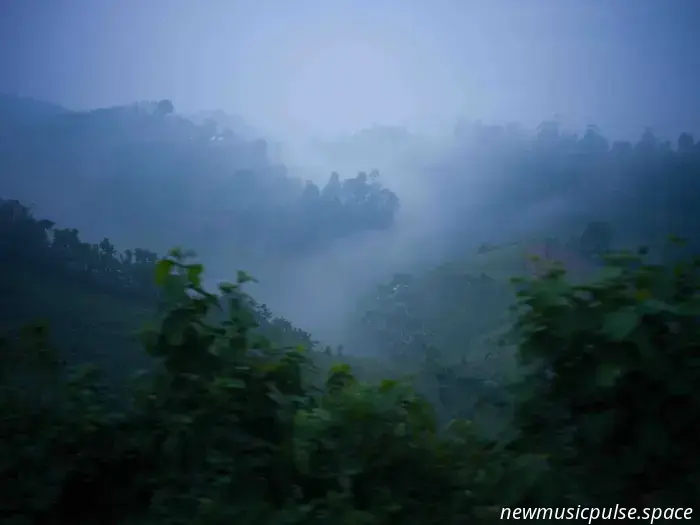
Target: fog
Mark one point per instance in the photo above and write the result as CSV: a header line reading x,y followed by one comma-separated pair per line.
x,y
329,67
307,75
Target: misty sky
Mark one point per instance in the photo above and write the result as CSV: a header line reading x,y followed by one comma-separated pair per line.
x,y
338,65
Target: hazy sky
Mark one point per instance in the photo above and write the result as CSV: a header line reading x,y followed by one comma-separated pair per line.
x,y
337,65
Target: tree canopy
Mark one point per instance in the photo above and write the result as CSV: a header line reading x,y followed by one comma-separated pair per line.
x,y
143,174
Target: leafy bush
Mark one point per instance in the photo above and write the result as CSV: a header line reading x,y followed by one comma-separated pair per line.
x,y
228,428
609,392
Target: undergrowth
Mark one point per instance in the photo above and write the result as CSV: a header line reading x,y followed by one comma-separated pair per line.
x,y
227,428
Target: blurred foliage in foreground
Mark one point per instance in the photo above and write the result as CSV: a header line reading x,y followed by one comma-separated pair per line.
x,y
228,428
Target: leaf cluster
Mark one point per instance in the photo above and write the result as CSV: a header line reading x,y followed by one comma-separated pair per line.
x,y
225,428
609,389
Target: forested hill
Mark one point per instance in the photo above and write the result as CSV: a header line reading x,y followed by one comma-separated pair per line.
x,y
457,391
142,175
232,426
51,275
645,187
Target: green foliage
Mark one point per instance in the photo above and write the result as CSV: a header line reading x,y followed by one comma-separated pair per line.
x,y
229,427
96,298
609,392
225,429
447,306
236,419
35,245
447,326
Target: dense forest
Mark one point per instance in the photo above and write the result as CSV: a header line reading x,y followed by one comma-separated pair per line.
x,y
549,363
205,187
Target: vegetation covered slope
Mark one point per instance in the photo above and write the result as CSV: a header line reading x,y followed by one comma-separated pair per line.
x,y
587,381
228,428
96,297
143,175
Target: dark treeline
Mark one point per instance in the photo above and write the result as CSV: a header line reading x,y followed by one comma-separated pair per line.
x,y
35,249
645,188
458,391
142,175
37,245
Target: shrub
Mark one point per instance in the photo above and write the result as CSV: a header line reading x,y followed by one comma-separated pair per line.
x,y
226,430
609,392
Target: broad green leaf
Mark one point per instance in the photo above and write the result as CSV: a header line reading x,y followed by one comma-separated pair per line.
x,y
618,325
163,269
194,273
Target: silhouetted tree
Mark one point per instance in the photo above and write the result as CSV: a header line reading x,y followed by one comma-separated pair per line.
x,y
165,107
